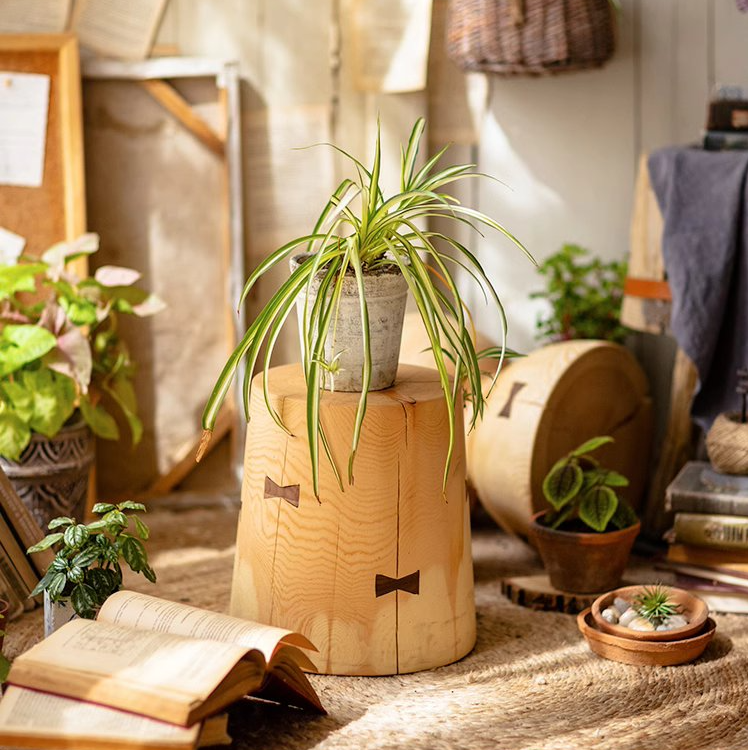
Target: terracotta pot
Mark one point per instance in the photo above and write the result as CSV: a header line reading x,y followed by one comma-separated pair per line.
x,y
583,563
386,295
51,476
695,610
644,653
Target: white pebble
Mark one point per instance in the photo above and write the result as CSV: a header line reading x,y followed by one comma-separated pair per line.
x,y
610,615
540,680
640,623
621,605
675,621
627,617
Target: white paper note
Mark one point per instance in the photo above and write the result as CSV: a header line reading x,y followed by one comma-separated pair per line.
x,y
34,16
390,41
11,247
24,101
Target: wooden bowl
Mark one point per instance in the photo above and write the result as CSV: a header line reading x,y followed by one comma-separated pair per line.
x,y
644,653
694,608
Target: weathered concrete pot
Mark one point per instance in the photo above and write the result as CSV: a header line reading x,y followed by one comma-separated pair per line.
x,y
51,477
583,563
386,295
56,614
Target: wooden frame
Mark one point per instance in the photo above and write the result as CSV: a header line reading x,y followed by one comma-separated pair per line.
x,y
157,77
57,210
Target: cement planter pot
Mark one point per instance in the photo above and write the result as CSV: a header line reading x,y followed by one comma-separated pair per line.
x,y
583,563
386,296
56,614
51,477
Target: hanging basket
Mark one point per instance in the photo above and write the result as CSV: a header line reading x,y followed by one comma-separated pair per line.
x,y
530,37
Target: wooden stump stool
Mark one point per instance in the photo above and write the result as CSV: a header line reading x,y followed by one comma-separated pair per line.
x,y
378,576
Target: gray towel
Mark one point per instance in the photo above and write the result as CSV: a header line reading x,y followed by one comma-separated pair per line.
x,y
703,197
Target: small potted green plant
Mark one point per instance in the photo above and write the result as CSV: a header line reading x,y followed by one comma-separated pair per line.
x,y
65,371
87,567
585,537
585,297
350,277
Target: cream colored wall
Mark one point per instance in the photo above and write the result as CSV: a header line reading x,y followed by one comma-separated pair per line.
x,y
567,146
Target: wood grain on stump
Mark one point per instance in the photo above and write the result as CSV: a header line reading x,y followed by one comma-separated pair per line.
x,y
378,575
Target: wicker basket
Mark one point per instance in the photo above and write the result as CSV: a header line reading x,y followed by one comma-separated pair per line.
x,y
530,37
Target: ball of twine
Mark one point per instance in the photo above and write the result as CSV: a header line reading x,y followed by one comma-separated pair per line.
x,y
727,444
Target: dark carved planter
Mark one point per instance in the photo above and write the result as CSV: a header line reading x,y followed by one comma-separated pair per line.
x,y
51,476
583,563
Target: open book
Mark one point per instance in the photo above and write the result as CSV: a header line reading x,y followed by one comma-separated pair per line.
x,y
40,720
167,661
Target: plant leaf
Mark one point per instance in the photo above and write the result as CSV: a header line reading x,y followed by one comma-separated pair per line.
x,y
54,400
562,483
131,505
75,536
56,586
142,529
614,479
591,445
14,435
100,508
624,516
45,543
86,556
59,522
598,507
116,276
84,600
21,344
99,420
134,553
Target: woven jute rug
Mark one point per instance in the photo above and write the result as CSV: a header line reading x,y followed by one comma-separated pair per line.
x,y
531,682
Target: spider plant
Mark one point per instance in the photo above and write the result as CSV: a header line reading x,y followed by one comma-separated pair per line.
x,y
360,230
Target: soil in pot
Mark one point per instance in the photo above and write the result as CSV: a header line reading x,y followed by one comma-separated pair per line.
x,y
583,562
386,294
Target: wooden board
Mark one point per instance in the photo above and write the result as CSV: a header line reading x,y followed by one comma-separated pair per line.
x,y
536,592
55,211
165,194
378,575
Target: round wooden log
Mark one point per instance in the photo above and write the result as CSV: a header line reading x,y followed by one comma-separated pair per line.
x,y
377,575
545,405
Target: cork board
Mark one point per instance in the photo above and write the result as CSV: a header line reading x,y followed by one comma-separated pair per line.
x,y
56,210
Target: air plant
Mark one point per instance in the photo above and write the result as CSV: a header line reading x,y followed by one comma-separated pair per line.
x,y
654,604
360,230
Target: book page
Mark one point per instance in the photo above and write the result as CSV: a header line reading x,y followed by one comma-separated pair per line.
x,y
24,102
390,43
150,613
48,719
142,658
116,29
34,16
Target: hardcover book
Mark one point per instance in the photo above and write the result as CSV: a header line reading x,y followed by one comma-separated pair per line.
x,y
700,489
167,661
711,530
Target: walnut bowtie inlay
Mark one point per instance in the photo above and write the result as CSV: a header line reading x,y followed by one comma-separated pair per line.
x,y
289,492
386,585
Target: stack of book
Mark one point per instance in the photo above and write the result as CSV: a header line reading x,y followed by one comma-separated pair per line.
x,y
147,674
708,549
727,121
19,572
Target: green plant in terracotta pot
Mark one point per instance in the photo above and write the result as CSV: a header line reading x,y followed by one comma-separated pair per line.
x,y
586,536
64,371
350,277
